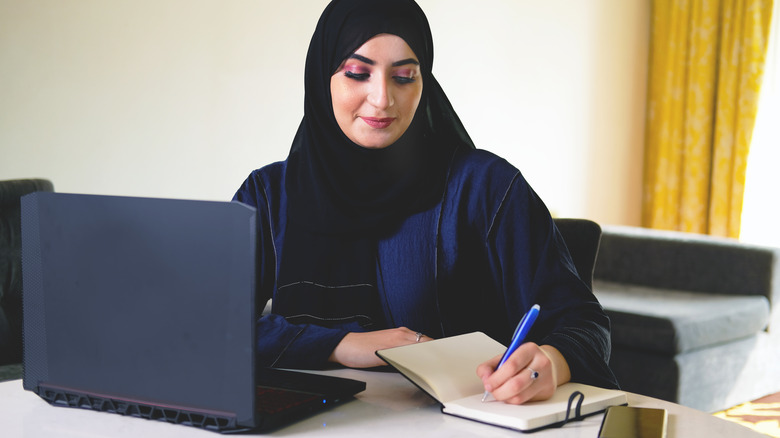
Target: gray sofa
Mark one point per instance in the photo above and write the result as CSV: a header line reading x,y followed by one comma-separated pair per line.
x,y
11,192
695,318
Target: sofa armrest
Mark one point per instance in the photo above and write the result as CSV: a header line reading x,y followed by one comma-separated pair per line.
x,y
687,261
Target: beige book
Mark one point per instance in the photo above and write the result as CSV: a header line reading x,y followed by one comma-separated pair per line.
x,y
446,370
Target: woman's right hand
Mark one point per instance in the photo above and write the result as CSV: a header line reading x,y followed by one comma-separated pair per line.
x,y
357,350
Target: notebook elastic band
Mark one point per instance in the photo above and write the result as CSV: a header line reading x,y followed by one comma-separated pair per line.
x,y
577,408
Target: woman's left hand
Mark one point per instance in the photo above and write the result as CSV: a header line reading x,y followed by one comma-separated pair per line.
x,y
531,373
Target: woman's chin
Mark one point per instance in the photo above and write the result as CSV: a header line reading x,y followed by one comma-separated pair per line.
x,y
375,141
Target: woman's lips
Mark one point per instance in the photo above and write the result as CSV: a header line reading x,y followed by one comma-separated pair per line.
x,y
378,122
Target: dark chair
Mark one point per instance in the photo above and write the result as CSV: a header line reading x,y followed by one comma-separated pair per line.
x,y
582,237
11,192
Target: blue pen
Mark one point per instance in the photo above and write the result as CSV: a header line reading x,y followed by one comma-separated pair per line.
x,y
523,327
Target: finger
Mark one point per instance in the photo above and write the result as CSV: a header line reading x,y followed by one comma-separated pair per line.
x,y
405,335
529,384
518,380
516,390
416,336
520,359
485,369
534,382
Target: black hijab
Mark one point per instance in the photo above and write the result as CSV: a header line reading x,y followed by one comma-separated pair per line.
x,y
342,197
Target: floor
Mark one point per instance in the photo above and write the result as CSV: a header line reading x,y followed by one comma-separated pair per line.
x,y
762,415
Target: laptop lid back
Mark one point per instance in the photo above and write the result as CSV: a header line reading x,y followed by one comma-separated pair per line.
x,y
144,306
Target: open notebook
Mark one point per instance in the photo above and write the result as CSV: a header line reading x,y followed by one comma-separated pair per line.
x,y
145,307
446,370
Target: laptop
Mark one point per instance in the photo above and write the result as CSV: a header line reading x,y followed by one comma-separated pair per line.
x,y
146,307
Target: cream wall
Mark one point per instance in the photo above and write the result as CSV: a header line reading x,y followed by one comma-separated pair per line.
x,y
183,98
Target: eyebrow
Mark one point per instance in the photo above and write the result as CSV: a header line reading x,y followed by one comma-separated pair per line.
x,y
395,64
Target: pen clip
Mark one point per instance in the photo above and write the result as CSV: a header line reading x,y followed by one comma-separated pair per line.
x,y
519,325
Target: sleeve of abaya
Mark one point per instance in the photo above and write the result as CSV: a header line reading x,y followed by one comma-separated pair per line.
x,y
280,343
531,265
285,345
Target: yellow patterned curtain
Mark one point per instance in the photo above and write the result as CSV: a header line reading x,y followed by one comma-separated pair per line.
x,y
706,62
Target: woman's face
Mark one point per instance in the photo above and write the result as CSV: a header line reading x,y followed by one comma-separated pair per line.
x,y
375,92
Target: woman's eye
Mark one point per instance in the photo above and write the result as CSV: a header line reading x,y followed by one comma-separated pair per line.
x,y
405,76
356,76
404,79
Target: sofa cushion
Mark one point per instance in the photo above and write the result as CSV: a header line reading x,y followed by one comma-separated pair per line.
x,y
672,322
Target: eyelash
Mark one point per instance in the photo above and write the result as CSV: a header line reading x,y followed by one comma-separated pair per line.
x,y
364,76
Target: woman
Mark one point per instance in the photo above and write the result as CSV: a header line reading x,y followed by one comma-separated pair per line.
x,y
385,222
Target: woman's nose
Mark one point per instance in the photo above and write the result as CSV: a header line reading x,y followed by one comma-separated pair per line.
x,y
381,95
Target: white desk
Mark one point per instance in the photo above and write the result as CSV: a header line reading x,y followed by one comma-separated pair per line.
x,y
390,406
